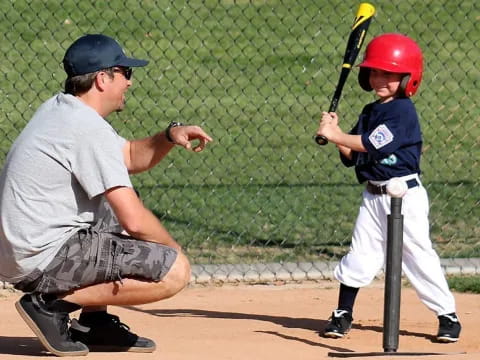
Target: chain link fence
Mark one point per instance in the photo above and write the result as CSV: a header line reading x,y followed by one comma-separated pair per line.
x,y
263,202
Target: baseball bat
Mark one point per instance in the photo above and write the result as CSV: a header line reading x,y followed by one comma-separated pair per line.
x,y
355,40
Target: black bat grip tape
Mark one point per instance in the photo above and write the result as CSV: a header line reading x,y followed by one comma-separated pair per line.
x,y
321,140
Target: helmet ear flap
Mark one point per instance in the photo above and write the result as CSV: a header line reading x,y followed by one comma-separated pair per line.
x,y
364,79
410,83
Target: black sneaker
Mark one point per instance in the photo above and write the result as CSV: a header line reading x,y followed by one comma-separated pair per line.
x,y
49,321
102,331
449,328
340,323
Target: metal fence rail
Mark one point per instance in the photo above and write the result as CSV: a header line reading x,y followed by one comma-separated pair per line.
x,y
256,75
301,271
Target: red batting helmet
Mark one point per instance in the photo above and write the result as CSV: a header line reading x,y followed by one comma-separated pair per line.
x,y
395,53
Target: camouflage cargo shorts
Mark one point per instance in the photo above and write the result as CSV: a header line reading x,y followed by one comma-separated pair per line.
x,y
93,256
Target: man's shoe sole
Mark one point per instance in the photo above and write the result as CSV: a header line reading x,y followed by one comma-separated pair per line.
x,y
102,348
41,337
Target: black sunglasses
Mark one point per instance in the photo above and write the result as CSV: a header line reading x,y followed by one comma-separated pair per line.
x,y
126,71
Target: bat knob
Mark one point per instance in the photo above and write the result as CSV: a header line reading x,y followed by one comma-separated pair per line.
x,y
321,140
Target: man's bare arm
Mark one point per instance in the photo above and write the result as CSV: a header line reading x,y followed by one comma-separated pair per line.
x,y
136,219
143,154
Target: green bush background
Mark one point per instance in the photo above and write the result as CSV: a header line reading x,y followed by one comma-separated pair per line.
x,y
256,75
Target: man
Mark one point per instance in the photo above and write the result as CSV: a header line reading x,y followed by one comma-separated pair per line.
x,y
73,232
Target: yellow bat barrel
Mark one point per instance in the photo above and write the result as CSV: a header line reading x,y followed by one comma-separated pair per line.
x,y
365,12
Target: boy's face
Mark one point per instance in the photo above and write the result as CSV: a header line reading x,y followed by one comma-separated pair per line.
x,y
385,84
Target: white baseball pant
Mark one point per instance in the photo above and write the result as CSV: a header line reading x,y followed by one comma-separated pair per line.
x,y
420,262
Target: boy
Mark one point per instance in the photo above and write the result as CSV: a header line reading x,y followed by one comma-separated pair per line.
x,y
385,143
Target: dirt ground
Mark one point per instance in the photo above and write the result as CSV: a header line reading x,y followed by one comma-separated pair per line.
x,y
279,322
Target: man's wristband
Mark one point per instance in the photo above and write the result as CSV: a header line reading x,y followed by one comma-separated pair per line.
x,y
169,127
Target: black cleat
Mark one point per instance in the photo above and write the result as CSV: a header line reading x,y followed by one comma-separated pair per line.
x,y
101,331
449,328
340,323
49,321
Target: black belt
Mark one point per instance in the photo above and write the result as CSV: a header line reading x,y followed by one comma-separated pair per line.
x,y
382,189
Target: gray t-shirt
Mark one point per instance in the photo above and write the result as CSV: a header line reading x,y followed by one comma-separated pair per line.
x,y
53,181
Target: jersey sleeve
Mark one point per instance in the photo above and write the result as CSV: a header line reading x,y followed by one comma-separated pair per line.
x,y
98,162
391,133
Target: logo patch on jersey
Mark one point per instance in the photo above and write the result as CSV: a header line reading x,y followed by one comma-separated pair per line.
x,y
391,160
381,136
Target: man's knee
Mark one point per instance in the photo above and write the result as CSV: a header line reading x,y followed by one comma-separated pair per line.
x,y
183,269
178,276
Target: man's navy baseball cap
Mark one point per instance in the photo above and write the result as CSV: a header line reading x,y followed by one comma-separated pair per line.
x,y
96,52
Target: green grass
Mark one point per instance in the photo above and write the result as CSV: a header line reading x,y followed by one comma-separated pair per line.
x,y
256,75
469,284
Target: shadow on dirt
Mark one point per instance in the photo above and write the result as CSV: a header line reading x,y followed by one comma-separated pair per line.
x,y
316,325
18,345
